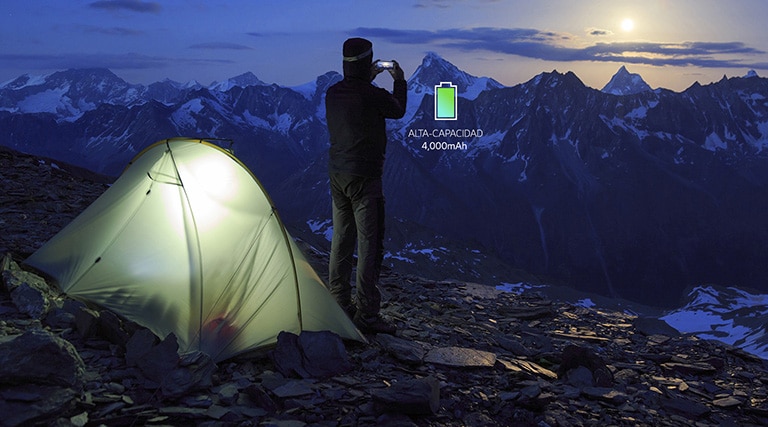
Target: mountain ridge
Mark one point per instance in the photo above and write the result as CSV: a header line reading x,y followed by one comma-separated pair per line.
x,y
591,184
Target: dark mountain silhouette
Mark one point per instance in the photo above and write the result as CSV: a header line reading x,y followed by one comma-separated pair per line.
x,y
638,196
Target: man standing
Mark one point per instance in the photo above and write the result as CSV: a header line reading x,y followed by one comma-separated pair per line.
x,y
356,111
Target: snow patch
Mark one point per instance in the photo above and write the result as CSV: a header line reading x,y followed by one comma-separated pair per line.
x,y
184,116
406,254
714,142
255,121
477,87
307,90
490,142
585,302
397,257
762,142
733,316
638,113
49,101
322,227
517,288
283,122
32,80
678,159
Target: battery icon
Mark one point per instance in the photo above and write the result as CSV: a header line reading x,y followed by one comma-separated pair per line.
x,y
446,96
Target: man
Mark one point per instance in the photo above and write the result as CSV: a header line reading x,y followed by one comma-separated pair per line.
x,y
356,111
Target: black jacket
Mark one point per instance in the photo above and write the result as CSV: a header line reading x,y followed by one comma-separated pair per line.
x,y
355,111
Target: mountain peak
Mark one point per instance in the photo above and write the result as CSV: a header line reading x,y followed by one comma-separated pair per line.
x,y
86,74
625,83
556,78
435,64
243,80
433,57
435,69
751,73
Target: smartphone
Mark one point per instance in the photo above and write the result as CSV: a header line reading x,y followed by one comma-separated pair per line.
x,y
385,65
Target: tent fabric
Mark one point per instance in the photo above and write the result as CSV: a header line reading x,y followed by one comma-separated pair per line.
x,y
187,241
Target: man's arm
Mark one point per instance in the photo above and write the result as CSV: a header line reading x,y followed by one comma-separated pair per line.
x,y
395,107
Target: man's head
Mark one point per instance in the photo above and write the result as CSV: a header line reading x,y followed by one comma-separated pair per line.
x,y
358,58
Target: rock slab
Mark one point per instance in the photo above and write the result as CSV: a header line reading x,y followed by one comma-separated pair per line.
x,y
416,397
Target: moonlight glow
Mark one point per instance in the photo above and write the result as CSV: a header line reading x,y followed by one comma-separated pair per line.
x,y
627,24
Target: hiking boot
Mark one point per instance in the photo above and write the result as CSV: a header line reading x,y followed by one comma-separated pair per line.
x,y
373,324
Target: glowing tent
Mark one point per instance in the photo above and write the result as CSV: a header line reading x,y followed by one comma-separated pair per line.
x,y
187,241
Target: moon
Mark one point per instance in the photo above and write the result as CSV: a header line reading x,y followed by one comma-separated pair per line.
x,y
627,24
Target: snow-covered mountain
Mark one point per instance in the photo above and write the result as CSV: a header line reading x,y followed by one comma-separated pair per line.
x,y
67,94
726,314
626,83
434,69
639,195
243,80
730,315
168,91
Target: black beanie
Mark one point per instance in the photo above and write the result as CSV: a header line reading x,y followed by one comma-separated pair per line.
x,y
358,57
356,49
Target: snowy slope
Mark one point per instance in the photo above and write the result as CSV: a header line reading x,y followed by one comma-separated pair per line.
x,y
243,80
731,315
434,69
626,83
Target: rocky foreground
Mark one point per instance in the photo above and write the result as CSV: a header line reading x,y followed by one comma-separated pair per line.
x,y
464,354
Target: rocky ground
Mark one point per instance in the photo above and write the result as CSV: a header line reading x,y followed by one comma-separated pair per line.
x,y
464,354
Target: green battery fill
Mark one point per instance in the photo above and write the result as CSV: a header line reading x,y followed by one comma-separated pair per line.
x,y
445,101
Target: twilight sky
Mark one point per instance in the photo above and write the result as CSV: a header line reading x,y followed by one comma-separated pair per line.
x,y
671,43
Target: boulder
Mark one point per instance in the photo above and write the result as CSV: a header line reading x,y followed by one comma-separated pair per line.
x,y
139,345
160,360
652,326
33,404
461,357
419,396
310,355
575,356
110,327
29,292
39,357
195,371
401,349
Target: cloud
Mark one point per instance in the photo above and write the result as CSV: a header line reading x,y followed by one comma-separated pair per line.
x,y
562,47
440,4
443,4
129,61
130,5
112,31
599,32
469,37
220,46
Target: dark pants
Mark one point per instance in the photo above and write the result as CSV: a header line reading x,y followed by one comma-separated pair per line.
x,y
358,215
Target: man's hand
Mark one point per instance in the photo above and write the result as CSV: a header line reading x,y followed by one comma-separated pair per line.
x,y
397,72
375,70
